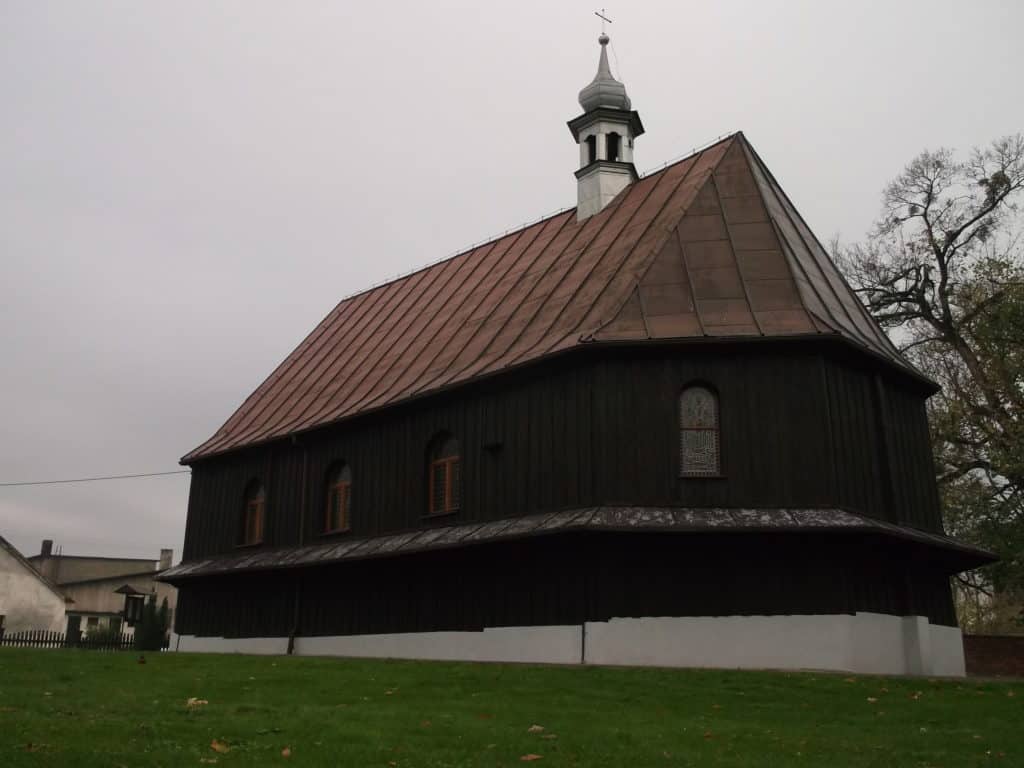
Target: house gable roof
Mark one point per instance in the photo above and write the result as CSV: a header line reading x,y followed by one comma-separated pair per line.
x,y
709,247
24,563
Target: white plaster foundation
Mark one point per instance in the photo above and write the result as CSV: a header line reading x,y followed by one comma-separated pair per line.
x,y
863,643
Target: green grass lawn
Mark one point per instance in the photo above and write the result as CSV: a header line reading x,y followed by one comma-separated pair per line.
x,y
85,708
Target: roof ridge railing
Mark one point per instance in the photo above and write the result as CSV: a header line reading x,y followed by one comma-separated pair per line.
x,y
493,238
454,254
691,153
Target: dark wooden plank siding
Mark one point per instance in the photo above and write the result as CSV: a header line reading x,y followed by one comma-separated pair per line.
x,y
254,605
800,428
573,578
859,482
917,500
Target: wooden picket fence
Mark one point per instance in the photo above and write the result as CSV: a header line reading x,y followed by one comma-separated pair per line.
x,y
41,638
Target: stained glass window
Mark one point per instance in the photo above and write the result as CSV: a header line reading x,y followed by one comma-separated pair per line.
x,y
698,433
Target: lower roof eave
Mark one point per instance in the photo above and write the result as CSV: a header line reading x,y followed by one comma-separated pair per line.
x,y
956,556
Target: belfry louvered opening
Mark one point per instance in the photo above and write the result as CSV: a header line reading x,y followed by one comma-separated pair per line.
x,y
699,443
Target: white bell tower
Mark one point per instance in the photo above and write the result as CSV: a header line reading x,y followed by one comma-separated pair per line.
x,y
605,132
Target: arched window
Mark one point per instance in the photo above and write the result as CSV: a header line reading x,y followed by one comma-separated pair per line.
x,y
445,476
338,516
591,148
699,454
614,141
252,515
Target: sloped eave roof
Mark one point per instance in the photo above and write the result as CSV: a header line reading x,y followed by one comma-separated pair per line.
x,y
616,519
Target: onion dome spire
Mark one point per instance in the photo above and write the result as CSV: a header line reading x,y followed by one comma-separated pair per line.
x,y
604,90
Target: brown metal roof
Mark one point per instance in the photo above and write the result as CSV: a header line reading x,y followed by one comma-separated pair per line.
x,y
650,519
707,247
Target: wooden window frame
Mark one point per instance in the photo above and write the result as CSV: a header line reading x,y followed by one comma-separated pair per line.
x,y
716,429
448,463
254,511
343,489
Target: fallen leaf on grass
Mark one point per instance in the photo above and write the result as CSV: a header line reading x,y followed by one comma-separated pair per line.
x,y
485,716
849,679
916,695
286,752
535,729
530,758
1010,693
708,735
207,759
872,699
193,703
425,724
219,746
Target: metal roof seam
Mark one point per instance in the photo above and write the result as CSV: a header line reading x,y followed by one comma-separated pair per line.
x,y
655,248
439,376
608,218
513,239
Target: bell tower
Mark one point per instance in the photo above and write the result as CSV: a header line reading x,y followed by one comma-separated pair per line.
x,y
605,133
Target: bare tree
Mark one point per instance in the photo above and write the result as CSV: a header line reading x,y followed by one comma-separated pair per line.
x,y
943,271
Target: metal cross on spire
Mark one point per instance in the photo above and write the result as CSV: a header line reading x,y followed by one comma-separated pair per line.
x,y
601,15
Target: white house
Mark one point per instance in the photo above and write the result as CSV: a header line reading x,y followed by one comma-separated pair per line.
x,y
27,599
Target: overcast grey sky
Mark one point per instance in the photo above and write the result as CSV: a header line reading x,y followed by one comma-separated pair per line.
x,y
186,188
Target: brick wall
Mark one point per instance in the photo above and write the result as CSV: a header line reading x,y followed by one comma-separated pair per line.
x,y
994,655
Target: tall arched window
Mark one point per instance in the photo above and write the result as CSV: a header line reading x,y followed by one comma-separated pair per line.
x,y
252,515
445,475
591,148
338,516
613,142
699,454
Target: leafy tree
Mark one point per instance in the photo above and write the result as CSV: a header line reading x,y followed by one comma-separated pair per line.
x,y
943,270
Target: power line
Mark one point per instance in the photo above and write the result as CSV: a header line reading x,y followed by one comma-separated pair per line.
x,y
93,479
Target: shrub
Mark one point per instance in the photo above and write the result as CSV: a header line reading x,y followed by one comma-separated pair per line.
x,y
151,630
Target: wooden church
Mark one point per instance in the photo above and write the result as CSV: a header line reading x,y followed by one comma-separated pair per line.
x,y
658,428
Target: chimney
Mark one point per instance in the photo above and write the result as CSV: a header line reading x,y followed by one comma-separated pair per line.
x,y
166,556
47,548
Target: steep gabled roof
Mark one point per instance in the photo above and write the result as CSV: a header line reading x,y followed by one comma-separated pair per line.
x,y
707,247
